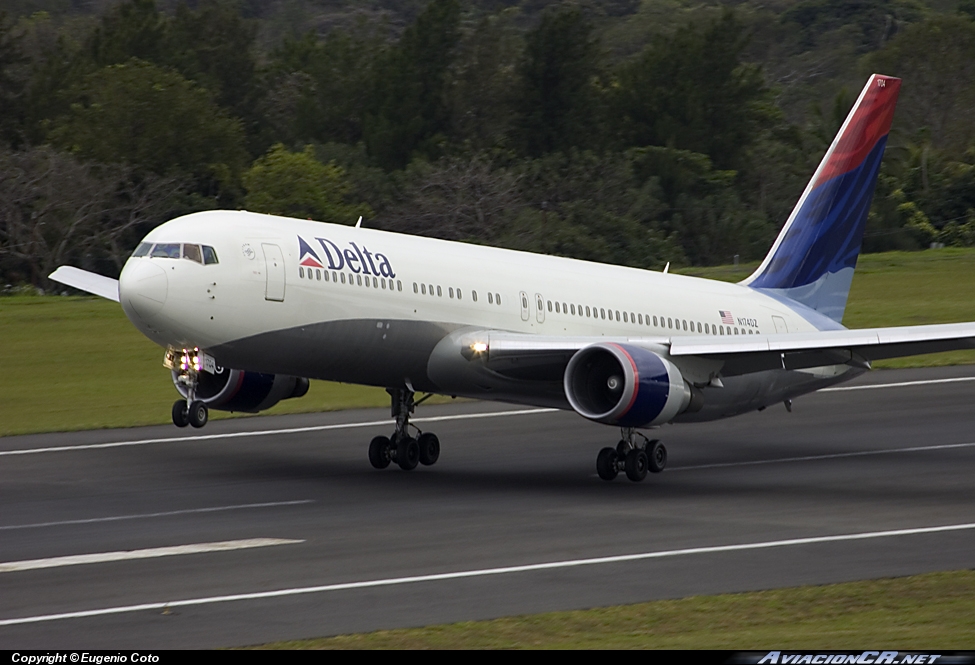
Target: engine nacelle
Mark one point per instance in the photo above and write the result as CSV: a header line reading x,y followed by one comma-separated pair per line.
x,y
628,386
237,390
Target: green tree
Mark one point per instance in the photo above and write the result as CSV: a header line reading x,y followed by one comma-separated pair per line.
x,y
692,91
130,29
12,61
557,100
155,120
409,114
295,184
936,60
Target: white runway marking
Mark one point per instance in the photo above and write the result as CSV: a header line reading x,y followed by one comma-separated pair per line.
x,y
152,553
896,385
387,422
168,513
507,570
268,432
809,458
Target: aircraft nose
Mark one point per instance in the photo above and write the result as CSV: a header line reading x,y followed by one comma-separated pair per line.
x,y
143,286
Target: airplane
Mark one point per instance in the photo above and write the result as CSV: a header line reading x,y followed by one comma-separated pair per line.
x,y
249,307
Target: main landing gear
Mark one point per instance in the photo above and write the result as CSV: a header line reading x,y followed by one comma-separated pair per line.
x,y
401,447
189,411
635,454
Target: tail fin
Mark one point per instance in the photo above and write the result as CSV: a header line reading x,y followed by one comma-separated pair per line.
x,y
813,259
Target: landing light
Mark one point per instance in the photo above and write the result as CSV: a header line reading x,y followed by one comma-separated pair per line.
x,y
479,347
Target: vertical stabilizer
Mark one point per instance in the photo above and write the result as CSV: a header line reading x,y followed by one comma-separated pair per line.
x,y
813,259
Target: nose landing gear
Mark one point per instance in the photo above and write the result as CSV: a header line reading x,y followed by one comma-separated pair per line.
x,y
188,364
635,456
402,448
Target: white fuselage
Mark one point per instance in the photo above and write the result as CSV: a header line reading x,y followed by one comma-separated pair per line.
x,y
382,296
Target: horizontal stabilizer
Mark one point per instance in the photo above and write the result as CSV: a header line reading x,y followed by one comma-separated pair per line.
x,y
76,278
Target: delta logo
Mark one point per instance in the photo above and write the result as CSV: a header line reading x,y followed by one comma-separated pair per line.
x,y
356,259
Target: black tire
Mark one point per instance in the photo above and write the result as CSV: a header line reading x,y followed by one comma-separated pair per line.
x,y
637,464
622,449
407,453
657,453
429,448
607,463
379,452
198,414
181,415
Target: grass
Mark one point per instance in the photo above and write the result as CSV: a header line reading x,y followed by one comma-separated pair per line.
x,y
77,363
928,611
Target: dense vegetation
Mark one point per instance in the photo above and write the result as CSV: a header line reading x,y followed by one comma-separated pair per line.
x,y
629,131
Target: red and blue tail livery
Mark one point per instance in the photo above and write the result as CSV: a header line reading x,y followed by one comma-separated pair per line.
x,y
813,259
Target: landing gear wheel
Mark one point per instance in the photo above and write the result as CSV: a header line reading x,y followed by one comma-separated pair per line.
x,y
636,465
379,452
429,446
657,453
607,463
407,453
181,416
198,414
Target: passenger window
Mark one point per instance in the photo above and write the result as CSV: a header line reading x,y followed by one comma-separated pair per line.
x,y
550,305
557,308
655,321
358,279
602,313
423,289
335,277
458,294
490,298
588,311
399,285
439,292
451,291
209,255
192,252
497,298
474,295
142,249
165,251
301,272
670,322
572,308
375,283
431,288
416,289
343,277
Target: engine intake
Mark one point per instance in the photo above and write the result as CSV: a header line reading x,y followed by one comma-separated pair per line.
x,y
625,385
237,390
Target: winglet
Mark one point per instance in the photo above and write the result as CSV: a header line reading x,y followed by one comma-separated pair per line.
x,y
813,259
106,287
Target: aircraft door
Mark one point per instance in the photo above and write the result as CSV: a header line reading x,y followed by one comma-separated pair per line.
x,y
274,268
525,308
540,308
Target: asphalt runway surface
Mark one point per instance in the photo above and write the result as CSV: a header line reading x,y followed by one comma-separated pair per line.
x,y
295,535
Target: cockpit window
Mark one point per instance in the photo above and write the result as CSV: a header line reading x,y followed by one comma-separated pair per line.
x,y
209,255
192,252
142,249
169,250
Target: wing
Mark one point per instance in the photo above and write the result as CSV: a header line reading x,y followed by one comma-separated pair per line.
x,y
106,287
521,356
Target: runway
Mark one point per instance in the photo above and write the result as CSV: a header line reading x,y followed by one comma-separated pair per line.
x,y
275,528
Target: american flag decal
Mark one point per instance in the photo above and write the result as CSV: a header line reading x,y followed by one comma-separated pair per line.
x,y
726,317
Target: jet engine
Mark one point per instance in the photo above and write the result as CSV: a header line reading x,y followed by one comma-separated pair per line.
x,y
628,386
237,390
